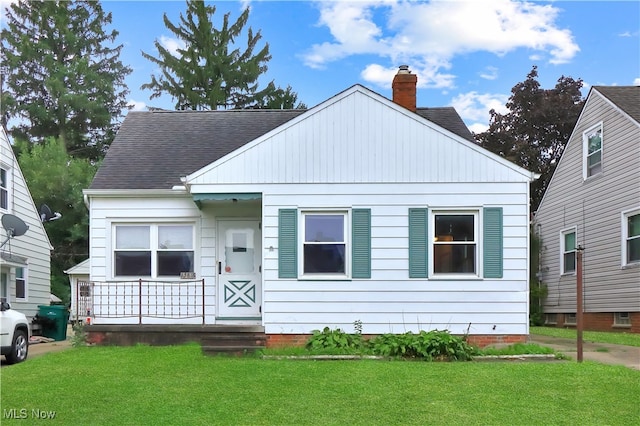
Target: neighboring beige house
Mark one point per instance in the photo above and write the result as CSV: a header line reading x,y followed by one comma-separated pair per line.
x,y
593,201
25,260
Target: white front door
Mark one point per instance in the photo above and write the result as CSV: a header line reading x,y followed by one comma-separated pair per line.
x,y
239,270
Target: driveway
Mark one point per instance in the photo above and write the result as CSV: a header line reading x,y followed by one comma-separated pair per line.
x,y
605,353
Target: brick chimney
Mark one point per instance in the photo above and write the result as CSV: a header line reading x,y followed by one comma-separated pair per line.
x,y
404,88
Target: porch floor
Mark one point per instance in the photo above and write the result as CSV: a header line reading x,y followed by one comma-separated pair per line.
x,y
214,339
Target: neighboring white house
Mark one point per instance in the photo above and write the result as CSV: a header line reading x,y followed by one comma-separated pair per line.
x,y
25,260
359,209
593,200
81,301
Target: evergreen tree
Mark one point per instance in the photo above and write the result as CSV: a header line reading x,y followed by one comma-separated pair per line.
x,y
57,179
63,79
537,127
211,71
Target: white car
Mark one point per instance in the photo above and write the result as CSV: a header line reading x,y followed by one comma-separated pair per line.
x,y
14,334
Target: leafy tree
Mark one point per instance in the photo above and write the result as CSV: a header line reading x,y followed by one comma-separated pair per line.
x,y
63,79
211,71
536,129
57,179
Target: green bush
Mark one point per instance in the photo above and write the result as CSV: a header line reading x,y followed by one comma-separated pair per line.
x,y
335,340
430,346
433,345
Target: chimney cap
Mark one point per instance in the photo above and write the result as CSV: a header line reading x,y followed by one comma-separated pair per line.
x,y
404,69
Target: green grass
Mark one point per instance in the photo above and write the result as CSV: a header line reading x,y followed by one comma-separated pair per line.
x,y
178,385
628,339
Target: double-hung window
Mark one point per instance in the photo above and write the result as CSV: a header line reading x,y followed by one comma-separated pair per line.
x,y
568,251
465,243
320,244
592,151
162,250
455,243
4,189
631,237
21,284
324,247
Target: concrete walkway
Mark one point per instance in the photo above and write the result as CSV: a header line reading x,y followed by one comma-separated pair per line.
x,y
605,353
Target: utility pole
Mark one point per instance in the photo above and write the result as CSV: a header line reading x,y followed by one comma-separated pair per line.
x,y
579,308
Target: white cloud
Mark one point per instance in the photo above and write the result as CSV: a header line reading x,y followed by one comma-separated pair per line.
x,y
172,45
137,105
474,108
431,34
636,81
489,73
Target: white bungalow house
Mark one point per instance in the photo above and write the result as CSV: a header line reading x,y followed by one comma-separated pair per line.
x,y
25,260
359,209
593,202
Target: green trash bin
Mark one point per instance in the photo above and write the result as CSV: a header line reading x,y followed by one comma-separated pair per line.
x,y
54,324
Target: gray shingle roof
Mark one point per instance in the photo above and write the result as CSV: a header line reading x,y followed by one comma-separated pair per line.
x,y
448,118
626,97
152,150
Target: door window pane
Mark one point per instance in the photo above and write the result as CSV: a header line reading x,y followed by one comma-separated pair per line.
x,y
239,253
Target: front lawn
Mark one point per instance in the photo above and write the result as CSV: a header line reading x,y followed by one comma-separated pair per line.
x,y
628,339
179,385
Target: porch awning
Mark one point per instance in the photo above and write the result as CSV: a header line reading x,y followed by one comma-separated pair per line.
x,y
227,196
13,260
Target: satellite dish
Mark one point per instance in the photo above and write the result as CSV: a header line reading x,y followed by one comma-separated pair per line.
x,y
46,215
14,226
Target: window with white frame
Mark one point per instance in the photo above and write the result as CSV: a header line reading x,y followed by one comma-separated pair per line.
x,y
592,151
324,243
631,237
622,319
4,287
455,242
21,284
570,319
4,188
568,251
158,250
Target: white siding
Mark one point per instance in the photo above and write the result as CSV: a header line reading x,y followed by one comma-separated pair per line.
x,y
357,150
594,207
358,138
390,301
33,245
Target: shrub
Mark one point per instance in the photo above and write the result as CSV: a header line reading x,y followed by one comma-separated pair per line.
x,y
335,340
432,345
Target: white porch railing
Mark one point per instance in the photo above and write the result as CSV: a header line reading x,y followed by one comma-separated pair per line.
x,y
133,302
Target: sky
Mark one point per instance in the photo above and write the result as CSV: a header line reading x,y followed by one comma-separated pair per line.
x,y
466,54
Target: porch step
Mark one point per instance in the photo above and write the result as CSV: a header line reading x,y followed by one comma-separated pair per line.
x,y
237,342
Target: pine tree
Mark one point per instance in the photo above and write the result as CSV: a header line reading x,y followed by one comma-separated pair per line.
x,y
211,71
63,78
537,127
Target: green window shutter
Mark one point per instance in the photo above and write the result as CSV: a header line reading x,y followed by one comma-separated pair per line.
x,y
492,242
288,243
361,243
418,243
